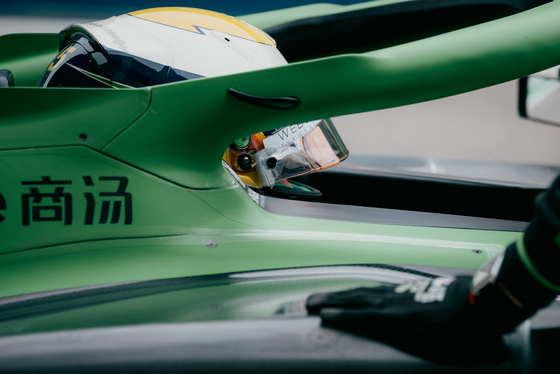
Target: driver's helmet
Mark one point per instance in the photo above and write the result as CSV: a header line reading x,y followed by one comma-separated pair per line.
x,y
164,45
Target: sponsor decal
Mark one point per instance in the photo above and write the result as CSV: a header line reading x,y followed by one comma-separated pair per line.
x,y
426,291
48,201
289,134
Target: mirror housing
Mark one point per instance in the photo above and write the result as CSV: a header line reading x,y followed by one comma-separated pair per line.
x,y
539,97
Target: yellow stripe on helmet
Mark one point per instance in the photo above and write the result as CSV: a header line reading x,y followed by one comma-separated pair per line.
x,y
191,19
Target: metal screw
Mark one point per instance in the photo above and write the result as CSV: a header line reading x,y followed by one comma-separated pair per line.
x,y
211,244
477,251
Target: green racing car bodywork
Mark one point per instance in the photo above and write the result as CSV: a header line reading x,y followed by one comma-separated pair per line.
x,y
108,186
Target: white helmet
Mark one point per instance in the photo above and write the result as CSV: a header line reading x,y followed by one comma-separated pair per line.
x,y
156,46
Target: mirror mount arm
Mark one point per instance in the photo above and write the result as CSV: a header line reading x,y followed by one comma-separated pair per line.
x,y
522,97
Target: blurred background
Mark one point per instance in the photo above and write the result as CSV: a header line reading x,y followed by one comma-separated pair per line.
x,y
471,133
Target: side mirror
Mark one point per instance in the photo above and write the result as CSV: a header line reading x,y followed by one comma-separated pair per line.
x,y
6,78
539,97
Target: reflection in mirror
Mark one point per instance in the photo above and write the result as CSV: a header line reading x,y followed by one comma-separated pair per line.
x,y
541,96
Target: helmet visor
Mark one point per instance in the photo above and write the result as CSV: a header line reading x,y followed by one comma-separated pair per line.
x,y
79,64
299,149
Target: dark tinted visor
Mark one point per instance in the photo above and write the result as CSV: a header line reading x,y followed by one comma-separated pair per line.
x,y
79,64
135,71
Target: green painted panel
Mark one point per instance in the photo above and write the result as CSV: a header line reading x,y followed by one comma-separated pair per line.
x,y
72,194
27,56
144,195
40,117
122,260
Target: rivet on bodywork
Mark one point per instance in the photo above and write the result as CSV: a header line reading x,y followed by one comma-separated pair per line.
x,y
211,244
477,251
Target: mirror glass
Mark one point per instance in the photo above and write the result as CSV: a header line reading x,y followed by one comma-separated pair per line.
x,y
542,99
